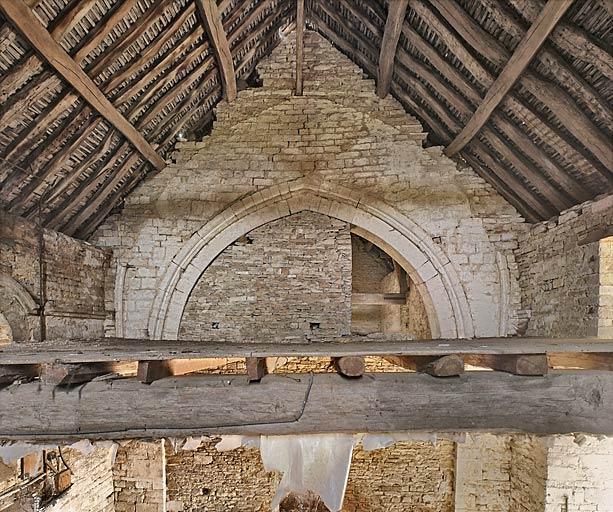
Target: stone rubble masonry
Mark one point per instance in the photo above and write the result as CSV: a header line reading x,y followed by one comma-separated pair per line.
x,y
139,477
92,482
605,305
202,479
579,474
560,277
75,276
340,133
288,278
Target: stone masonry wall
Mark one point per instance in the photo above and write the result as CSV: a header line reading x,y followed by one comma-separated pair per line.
x,y
139,477
579,474
500,473
92,482
413,476
605,306
560,275
75,273
289,278
339,132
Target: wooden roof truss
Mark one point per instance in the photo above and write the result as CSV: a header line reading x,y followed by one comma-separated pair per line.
x,y
93,100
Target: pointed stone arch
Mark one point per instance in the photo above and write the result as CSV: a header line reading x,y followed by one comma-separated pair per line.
x,y
411,246
19,309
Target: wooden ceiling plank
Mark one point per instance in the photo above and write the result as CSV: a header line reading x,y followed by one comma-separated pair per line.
x,y
127,38
393,26
531,149
570,38
36,159
40,125
178,66
30,65
79,169
212,23
93,203
553,97
300,46
553,64
516,105
172,59
38,183
519,61
103,28
150,52
22,17
462,106
87,228
71,18
61,215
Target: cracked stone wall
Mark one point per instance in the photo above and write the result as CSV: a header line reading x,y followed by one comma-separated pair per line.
x,y
339,132
75,278
560,273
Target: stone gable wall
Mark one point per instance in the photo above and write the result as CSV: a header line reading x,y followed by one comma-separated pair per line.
x,y
74,275
560,274
339,133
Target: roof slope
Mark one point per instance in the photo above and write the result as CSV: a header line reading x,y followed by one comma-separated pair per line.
x,y
546,146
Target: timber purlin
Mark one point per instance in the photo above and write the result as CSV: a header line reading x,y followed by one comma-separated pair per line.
x,y
544,147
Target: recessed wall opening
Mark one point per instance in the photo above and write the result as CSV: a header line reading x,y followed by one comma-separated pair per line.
x,y
6,334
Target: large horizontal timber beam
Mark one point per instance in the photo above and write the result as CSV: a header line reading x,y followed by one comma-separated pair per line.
x,y
519,61
20,15
306,403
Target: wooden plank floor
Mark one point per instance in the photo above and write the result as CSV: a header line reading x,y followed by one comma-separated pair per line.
x,y
110,349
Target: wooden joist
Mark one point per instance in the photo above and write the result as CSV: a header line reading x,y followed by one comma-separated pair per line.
x,y
349,366
393,27
303,403
524,53
38,37
379,298
112,349
517,364
211,19
299,46
72,374
150,371
257,368
445,366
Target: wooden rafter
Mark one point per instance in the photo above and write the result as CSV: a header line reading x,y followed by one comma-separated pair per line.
x,y
393,26
211,19
299,46
22,17
519,61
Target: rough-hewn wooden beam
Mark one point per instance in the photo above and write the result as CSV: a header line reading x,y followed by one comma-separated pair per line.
x,y
445,366
303,403
524,53
523,364
150,371
211,19
393,26
349,366
299,46
379,298
256,368
23,18
119,349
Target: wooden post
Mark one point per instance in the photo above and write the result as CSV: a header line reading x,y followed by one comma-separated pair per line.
x,y
299,45
256,368
150,371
